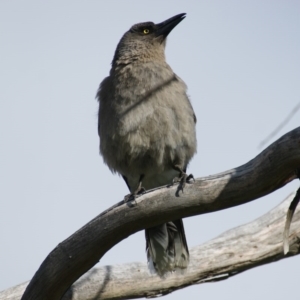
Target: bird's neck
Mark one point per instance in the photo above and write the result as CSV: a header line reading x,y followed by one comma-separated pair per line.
x,y
124,59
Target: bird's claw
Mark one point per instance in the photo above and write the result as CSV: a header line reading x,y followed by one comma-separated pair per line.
x,y
183,180
132,196
189,177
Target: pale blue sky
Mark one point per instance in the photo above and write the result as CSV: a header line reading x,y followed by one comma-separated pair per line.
x,y
240,60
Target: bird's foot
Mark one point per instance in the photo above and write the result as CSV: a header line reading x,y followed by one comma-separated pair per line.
x,y
131,197
182,179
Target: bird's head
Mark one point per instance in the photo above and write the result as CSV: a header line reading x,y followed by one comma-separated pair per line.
x,y
145,41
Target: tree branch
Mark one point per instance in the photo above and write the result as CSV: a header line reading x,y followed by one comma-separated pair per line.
x,y
270,170
235,251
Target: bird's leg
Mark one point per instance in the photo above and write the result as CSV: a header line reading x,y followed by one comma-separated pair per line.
x,y
183,177
140,189
289,217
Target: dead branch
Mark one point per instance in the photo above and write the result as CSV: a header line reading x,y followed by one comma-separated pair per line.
x,y
270,170
235,251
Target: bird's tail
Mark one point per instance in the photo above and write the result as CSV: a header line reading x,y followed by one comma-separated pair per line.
x,y
166,247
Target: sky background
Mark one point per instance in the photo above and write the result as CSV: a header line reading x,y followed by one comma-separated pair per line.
x,y
241,62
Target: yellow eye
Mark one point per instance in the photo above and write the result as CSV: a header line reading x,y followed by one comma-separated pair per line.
x,y
146,31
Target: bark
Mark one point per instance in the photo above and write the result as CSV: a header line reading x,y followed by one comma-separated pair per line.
x,y
270,170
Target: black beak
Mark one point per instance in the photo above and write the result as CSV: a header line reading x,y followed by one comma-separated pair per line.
x,y
164,28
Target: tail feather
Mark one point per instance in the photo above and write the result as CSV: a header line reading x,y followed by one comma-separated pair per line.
x,y
167,247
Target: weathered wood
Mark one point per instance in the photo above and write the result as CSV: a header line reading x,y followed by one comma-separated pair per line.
x,y
14,293
270,170
237,250
289,217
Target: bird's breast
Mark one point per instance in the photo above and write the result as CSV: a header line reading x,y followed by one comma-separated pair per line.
x,y
150,121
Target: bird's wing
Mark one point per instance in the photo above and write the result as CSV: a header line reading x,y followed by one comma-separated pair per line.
x,y
187,98
103,95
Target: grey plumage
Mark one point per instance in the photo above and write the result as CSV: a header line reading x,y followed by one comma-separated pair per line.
x,y
146,126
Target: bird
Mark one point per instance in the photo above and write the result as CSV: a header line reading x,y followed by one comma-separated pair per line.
x,y
147,130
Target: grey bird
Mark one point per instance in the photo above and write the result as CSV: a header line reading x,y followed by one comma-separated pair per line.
x,y
146,126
